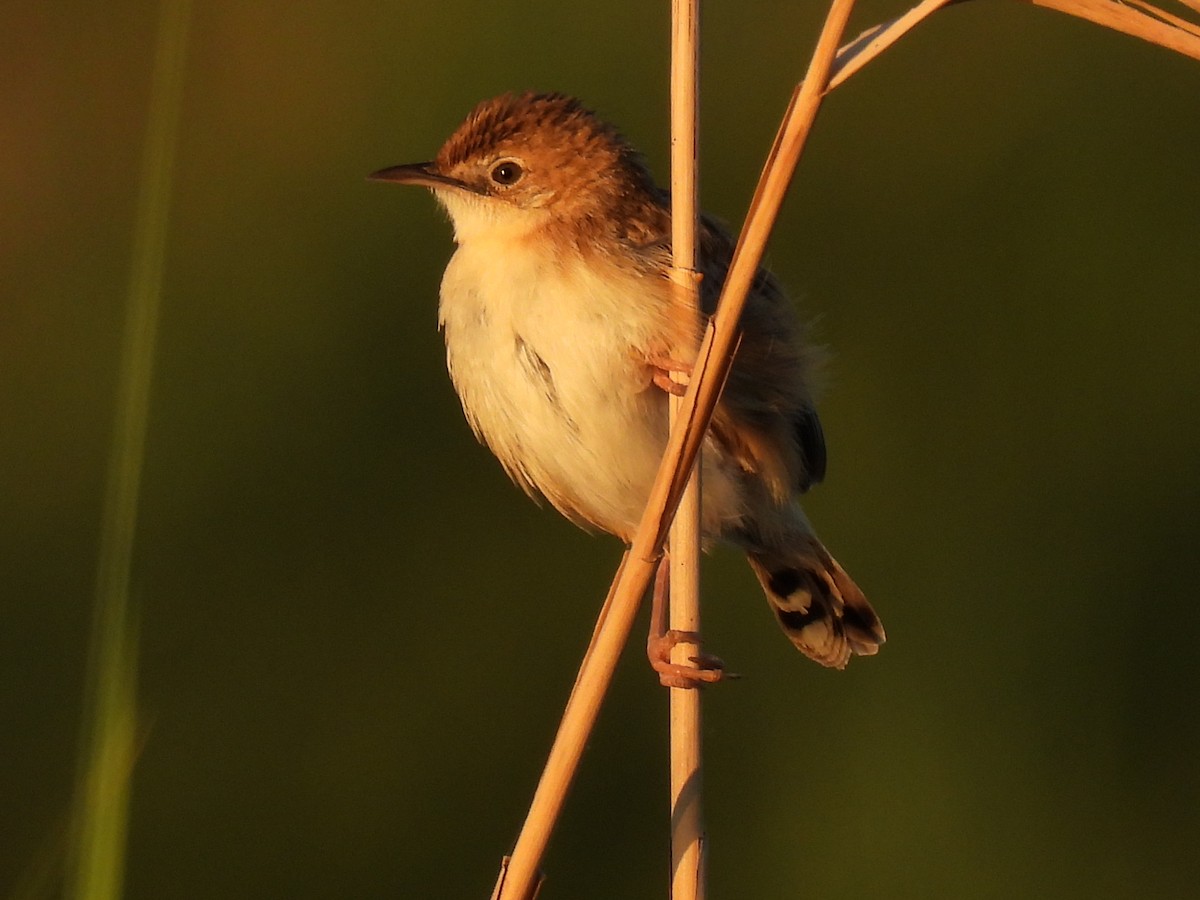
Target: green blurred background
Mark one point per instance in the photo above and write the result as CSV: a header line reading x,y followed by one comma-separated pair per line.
x,y
357,636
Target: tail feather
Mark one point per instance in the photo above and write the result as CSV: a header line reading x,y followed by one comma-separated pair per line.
x,y
818,605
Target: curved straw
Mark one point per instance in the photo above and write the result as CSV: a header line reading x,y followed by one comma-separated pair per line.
x,y
518,880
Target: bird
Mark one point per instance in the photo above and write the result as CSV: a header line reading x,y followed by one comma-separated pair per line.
x,y
564,339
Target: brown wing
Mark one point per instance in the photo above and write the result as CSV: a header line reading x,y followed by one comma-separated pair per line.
x,y
766,417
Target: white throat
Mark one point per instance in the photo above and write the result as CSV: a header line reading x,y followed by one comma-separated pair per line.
x,y
474,216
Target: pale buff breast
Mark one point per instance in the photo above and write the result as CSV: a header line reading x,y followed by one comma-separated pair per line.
x,y
542,349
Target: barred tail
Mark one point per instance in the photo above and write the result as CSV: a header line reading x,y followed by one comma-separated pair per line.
x,y
817,604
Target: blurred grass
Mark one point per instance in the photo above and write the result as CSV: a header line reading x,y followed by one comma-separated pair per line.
x,y
97,854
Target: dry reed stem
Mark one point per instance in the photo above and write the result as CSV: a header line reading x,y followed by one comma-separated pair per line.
x,y
1168,18
716,352
500,879
1150,24
708,377
875,40
687,880
1119,17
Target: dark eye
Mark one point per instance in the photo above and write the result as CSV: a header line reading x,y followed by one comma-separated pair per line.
x,y
507,172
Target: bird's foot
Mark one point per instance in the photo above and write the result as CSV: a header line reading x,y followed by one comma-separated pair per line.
x,y
669,374
706,668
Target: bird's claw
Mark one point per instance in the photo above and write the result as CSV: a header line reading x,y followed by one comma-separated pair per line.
x,y
707,669
670,375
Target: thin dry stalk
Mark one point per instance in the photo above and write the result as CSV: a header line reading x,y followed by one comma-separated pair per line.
x,y
875,40
1169,18
716,352
1147,22
1158,27
708,376
712,368
687,813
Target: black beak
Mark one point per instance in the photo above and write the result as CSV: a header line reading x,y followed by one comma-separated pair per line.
x,y
422,174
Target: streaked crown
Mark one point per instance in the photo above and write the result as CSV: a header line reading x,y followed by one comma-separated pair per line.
x,y
549,156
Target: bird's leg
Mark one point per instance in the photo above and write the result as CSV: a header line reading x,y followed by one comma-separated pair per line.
x,y
661,640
